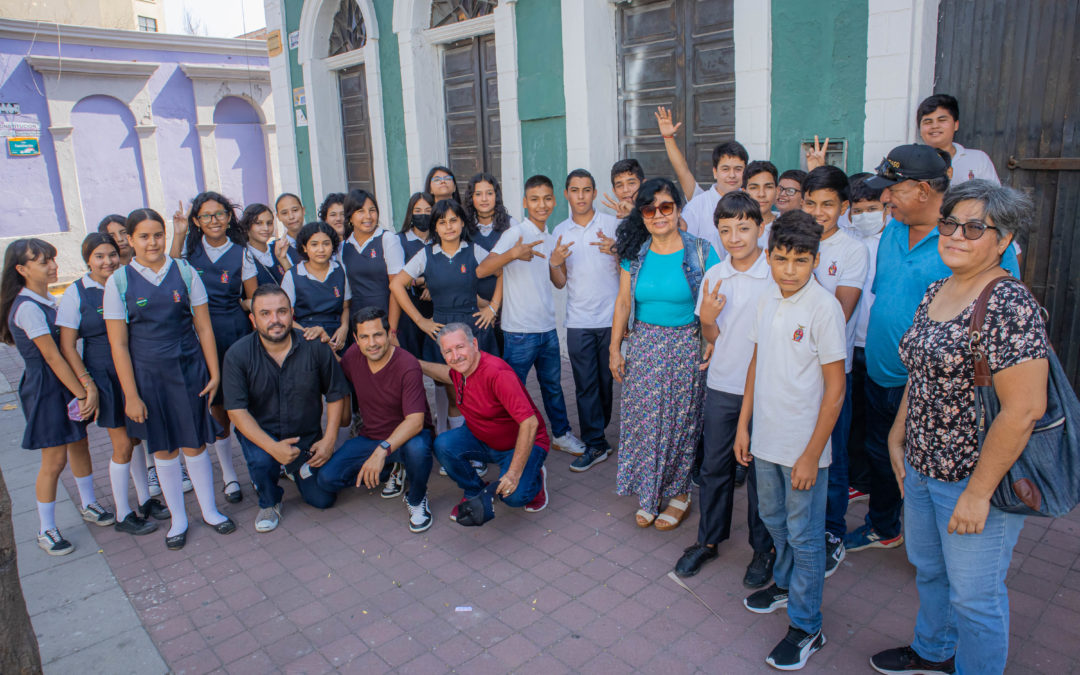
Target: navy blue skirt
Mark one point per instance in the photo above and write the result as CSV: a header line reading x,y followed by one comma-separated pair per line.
x,y
44,402
110,398
228,328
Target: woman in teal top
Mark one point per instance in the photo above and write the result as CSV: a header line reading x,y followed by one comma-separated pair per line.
x,y
662,375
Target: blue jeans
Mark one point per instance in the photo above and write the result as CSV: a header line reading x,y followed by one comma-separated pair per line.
x,y
342,468
836,508
457,447
525,350
796,521
882,403
265,471
963,602
589,351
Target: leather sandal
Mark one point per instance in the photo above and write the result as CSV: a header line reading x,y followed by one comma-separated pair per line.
x,y
674,514
644,518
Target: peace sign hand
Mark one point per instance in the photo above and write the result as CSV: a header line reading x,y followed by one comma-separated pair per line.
x,y
523,251
560,253
180,219
711,302
816,157
606,243
622,208
663,120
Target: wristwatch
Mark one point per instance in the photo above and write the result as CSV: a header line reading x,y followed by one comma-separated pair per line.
x,y
385,445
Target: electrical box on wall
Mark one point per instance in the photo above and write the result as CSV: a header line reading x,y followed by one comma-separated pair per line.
x,y
835,153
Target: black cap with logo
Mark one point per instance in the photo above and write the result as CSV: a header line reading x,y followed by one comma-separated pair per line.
x,y
909,162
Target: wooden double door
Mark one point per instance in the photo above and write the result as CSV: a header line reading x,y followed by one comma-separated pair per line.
x,y
471,97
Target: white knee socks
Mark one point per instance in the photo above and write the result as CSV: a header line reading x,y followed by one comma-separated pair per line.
x,y
225,459
47,515
138,474
86,489
172,489
118,478
201,473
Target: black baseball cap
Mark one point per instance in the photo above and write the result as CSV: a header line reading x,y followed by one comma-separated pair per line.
x,y
909,162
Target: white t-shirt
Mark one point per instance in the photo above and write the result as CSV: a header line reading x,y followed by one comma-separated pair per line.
x,y
968,164
247,268
288,282
698,214
733,349
528,306
592,277
844,262
795,337
68,315
866,300
114,305
416,265
391,248
29,316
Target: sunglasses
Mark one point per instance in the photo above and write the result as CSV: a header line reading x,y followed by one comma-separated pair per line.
x,y
665,209
888,171
973,229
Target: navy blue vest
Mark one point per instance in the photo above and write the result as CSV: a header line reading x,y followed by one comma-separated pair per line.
x,y
96,351
27,349
486,287
453,283
222,278
368,279
272,274
319,302
159,317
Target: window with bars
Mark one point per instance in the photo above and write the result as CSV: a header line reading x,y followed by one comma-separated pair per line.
x,y
147,24
445,12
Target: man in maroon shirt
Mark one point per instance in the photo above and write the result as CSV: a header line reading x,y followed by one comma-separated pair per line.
x,y
502,424
389,389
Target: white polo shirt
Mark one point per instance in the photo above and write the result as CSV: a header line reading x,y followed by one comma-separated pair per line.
x,y
866,300
114,306
527,305
968,164
844,262
418,263
698,214
592,277
68,314
393,254
247,267
795,337
733,349
288,282
29,316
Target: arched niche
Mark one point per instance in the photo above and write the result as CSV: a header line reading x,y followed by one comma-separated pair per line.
x,y
241,152
108,160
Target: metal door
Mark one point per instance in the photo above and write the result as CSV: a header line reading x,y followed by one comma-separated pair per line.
x,y
356,129
680,54
1014,66
472,108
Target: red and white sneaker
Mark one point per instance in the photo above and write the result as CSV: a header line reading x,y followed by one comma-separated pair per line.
x,y
453,512
854,495
540,501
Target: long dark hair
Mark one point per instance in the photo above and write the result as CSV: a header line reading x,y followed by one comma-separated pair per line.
x,y
632,232
19,252
195,235
441,208
406,225
501,219
95,239
431,174
247,218
355,201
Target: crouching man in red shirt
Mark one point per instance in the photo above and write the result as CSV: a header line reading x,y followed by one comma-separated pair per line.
x,y
502,424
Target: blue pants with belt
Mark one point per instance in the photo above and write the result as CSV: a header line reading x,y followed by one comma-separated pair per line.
x,y
457,447
525,350
265,471
341,469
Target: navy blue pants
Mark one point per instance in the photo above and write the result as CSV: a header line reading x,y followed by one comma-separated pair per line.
x,y
588,348
341,469
836,506
882,404
265,471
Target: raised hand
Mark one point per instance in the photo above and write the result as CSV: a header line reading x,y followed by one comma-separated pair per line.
x,y
560,253
180,219
663,120
711,302
622,208
523,251
816,156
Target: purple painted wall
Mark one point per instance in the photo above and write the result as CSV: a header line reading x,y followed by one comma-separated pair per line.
x,y
241,151
107,156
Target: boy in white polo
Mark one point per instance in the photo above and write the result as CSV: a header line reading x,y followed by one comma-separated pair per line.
x,y
528,310
794,391
591,277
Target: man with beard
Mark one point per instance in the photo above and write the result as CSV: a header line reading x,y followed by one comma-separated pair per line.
x,y
274,383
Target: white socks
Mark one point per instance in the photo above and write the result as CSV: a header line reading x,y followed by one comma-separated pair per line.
x,y
172,489
138,474
86,489
201,473
224,455
47,515
118,478
455,421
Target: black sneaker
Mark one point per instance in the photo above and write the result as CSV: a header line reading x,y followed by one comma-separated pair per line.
x,y
767,600
589,458
153,508
834,553
693,558
740,474
759,571
695,476
795,649
905,660
133,524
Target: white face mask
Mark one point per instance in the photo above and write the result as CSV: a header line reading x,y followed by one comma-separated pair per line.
x,y
867,223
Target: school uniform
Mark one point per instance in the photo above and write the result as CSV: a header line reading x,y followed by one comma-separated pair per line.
x,y
453,284
267,269
81,309
698,214
292,252
168,361
409,335
43,398
486,237
317,303
369,266
969,164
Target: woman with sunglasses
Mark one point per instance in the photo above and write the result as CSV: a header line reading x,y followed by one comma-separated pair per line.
x,y
960,545
662,374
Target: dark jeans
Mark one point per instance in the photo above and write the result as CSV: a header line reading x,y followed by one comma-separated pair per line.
x,y
858,468
588,348
457,447
341,470
882,404
525,350
717,492
265,471
836,506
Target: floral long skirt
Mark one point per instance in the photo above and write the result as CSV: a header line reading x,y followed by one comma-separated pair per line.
x,y
663,396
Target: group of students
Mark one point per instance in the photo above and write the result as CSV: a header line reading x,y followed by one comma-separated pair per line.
x,y
748,302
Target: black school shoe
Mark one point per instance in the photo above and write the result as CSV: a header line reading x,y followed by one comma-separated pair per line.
x,y
795,649
759,571
693,558
153,508
226,526
906,661
176,542
133,524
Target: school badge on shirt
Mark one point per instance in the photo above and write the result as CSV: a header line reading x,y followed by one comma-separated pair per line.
x,y
337,293
372,253
100,310
176,296
141,302
463,270
832,269
225,277
797,336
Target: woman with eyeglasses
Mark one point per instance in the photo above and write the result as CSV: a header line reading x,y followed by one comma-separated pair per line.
x,y
441,184
211,240
960,545
663,374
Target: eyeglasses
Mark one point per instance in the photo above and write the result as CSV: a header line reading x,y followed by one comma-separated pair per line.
x,y
973,229
219,216
789,192
442,179
665,209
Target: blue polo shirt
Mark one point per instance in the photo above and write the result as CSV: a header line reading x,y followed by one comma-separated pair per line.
x,y
900,283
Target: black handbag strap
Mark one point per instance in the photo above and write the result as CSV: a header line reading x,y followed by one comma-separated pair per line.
x,y
983,378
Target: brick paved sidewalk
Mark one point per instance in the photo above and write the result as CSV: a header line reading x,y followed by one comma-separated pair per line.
x,y
575,588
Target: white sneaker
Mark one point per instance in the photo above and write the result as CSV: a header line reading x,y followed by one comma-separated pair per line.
x,y
419,515
152,482
95,513
569,443
395,484
268,518
481,468
53,543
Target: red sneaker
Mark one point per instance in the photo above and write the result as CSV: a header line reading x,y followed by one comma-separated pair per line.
x,y
540,501
453,512
854,495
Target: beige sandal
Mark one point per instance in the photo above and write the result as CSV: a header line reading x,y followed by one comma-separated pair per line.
x,y
644,518
674,514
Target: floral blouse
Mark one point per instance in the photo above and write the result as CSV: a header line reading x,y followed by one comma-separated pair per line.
x,y
941,438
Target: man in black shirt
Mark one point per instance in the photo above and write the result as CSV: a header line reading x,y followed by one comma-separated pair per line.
x,y
274,382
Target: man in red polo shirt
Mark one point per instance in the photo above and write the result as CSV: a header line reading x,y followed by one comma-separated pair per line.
x,y
502,424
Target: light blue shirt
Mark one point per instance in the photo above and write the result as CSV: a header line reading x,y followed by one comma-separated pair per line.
x,y
900,283
663,295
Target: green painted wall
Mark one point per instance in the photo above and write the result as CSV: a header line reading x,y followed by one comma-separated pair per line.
x,y
541,101
393,109
291,10
818,76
